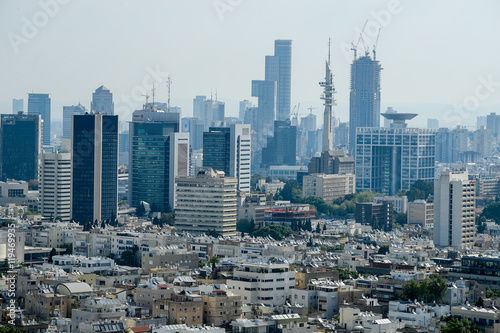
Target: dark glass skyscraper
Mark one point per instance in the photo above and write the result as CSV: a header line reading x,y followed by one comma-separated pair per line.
x,y
158,154
279,69
364,108
95,167
20,141
281,149
40,104
228,149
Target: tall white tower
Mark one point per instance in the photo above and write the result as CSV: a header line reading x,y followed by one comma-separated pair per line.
x,y
328,91
454,210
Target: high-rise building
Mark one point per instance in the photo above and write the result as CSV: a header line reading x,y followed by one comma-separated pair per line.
x,y
158,154
206,203
391,159
20,146
54,186
195,127
279,69
212,113
451,145
481,121
433,123
228,149
94,167
281,149
40,104
364,106
379,216
493,124
244,105
308,123
341,135
17,106
328,91
454,209
68,111
265,91
197,105
331,162
483,142
102,101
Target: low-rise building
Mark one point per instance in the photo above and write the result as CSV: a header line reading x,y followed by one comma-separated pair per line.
x,y
182,308
421,212
329,187
173,255
269,283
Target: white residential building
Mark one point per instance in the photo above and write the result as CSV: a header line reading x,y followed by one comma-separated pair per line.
x,y
454,209
263,283
54,183
400,203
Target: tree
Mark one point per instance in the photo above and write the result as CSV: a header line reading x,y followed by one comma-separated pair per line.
x,y
429,290
383,249
291,191
492,211
420,190
214,261
4,329
318,228
68,247
455,325
156,221
345,274
411,291
167,218
401,218
140,210
52,253
103,225
276,231
130,257
201,263
243,225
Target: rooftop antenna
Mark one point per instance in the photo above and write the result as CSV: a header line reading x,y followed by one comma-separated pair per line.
x,y
169,83
375,46
153,92
329,47
216,94
147,96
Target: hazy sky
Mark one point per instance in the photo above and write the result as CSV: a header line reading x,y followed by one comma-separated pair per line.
x,y
433,52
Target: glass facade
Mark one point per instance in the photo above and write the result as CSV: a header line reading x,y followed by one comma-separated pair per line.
x,y
40,104
150,158
364,107
216,149
20,144
390,159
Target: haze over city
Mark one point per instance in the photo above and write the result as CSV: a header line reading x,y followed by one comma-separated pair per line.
x,y
434,54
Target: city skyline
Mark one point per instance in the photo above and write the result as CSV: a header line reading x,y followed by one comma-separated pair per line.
x,y
406,85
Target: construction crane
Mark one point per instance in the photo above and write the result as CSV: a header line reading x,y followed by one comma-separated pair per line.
x,y
311,109
355,47
375,46
147,97
295,115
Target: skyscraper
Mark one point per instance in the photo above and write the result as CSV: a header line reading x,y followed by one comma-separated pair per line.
x,y
279,69
364,107
197,105
212,113
20,144
228,149
40,104
390,159
328,91
68,111
17,105
493,124
158,154
244,105
281,148
54,186
94,167
102,101
454,209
